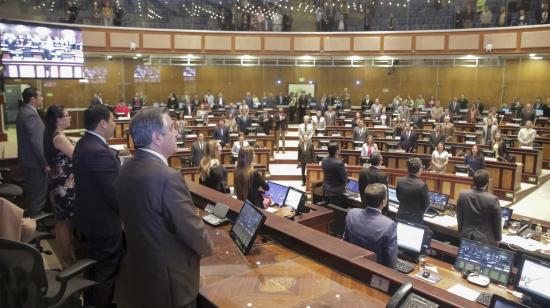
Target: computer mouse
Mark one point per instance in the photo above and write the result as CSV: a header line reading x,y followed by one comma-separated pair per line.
x,y
426,274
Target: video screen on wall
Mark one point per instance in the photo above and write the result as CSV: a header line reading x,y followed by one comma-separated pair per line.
x,y
189,72
95,74
40,51
147,74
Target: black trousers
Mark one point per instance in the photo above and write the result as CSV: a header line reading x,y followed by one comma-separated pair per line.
x,y
336,200
107,251
303,167
36,188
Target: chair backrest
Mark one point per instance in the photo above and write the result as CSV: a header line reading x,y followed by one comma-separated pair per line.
x,y
23,281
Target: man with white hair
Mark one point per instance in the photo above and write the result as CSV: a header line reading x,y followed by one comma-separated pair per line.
x,y
527,135
305,129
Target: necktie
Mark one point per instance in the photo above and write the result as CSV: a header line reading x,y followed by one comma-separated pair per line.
x,y
408,134
241,145
200,145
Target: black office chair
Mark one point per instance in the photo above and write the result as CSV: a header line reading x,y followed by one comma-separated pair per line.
x,y
338,225
25,283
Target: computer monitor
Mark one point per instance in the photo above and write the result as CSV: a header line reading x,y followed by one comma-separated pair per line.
x,y
438,201
506,216
246,226
539,112
487,260
294,199
392,196
533,279
277,192
461,168
352,186
412,239
498,301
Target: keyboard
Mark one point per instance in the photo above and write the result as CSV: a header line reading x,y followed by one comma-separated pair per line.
x,y
404,266
214,220
484,298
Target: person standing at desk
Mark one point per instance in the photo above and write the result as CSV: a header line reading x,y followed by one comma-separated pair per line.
x,y
318,121
281,127
335,176
360,132
499,147
448,129
412,193
305,129
370,229
436,137
488,132
96,211
249,183
330,117
221,133
244,121
527,135
238,145
408,139
475,160
197,150
527,114
372,174
212,172
305,156
165,236
478,212
440,158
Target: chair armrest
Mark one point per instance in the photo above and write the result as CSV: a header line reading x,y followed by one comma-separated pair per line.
x,y
42,216
38,236
74,269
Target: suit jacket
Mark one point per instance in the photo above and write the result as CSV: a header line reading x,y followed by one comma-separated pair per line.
x,y
368,176
244,123
412,194
366,104
30,136
224,137
96,101
375,110
197,153
527,116
454,107
433,140
330,118
417,121
408,143
306,156
360,134
281,123
484,136
280,100
478,216
165,237
448,130
526,137
219,103
237,147
304,129
463,103
318,122
335,176
188,109
95,167
405,112
371,230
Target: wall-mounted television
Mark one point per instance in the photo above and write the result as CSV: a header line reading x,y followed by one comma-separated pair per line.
x,y
189,72
147,74
32,50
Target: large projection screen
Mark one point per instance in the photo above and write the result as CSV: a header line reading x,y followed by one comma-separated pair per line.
x,y
299,87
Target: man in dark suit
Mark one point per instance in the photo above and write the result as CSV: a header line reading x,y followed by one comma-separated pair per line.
x,y
165,236
30,149
281,99
197,150
417,119
454,106
265,120
96,212
305,155
188,108
488,132
408,139
463,102
435,137
248,101
412,193
372,174
528,114
370,229
335,176
360,132
221,133
244,121
219,102
478,212
366,103
96,100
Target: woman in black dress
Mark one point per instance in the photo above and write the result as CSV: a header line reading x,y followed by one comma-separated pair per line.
x,y
475,160
212,172
58,150
249,183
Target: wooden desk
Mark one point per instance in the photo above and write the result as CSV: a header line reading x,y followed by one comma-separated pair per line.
x,y
192,174
261,157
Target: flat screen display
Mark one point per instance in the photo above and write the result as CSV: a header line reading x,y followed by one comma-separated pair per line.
x,y
41,51
293,198
506,215
246,226
410,238
489,261
352,186
146,74
189,72
392,195
534,278
438,201
277,192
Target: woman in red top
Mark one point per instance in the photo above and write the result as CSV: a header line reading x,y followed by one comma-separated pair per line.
x,y
122,108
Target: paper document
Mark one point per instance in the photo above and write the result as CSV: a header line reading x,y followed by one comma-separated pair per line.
x,y
464,292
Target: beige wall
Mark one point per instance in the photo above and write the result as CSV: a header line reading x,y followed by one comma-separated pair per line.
x,y
526,79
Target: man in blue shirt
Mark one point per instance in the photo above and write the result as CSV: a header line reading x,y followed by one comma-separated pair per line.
x,y
370,229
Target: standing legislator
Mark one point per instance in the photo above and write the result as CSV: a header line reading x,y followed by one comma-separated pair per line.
x,y
165,236
372,174
412,193
478,212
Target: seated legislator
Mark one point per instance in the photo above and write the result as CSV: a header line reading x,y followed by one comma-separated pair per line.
x,y
372,174
440,159
478,212
335,176
212,172
221,133
249,183
474,160
408,139
436,137
238,145
370,229
527,135
369,147
360,133
412,193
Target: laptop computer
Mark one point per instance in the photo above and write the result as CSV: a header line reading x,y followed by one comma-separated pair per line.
x,y
218,215
412,241
352,188
392,197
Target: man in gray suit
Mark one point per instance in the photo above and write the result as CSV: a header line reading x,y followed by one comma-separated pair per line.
x,y
370,229
330,116
305,129
165,236
360,132
30,149
488,132
478,212
197,150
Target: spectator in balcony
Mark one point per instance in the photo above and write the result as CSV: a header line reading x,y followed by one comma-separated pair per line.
x,y
72,11
459,18
277,21
260,20
342,23
245,21
329,11
522,18
486,18
542,15
469,15
502,18
319,16
287,21
107,13
117,21
392,22
366,19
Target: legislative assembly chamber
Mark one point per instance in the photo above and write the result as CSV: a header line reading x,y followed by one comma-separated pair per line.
x,y
275,153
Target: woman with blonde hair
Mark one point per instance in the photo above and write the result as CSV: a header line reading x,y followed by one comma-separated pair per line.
x,y
249,183
212,172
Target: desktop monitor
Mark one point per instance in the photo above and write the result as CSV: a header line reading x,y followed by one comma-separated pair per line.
x,y
352,186
392,196
487,260
461,168
506,216
412,239
533,279
498,301
488,153
277,192
539,112
438,201
246,226
295,199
